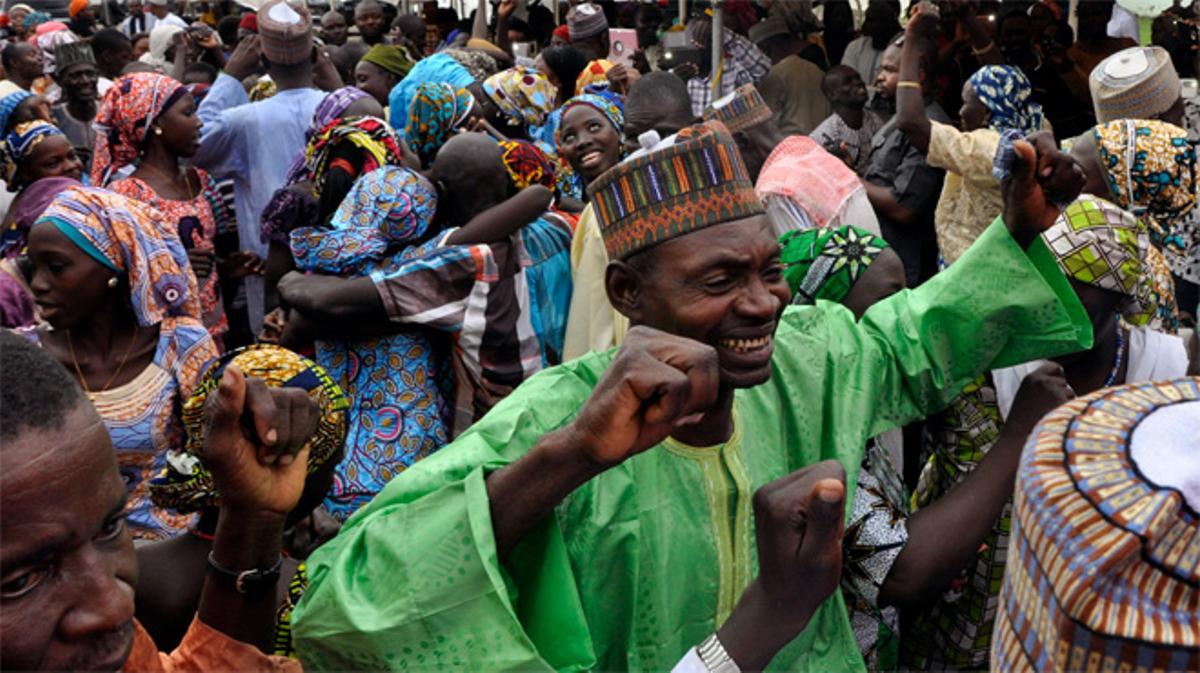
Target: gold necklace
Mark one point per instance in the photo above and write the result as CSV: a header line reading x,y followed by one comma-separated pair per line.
x,y
79,372
190,191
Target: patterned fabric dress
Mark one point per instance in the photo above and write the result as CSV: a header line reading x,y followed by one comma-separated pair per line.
x,y
398,414
197,227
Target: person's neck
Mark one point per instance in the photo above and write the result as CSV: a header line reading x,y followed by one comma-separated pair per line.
x,y
290,81
372,41
111,323
852,115
714,427
16,78
1087,372
83,110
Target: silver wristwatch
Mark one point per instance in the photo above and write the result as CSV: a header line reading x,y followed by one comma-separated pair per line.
x,y
715,658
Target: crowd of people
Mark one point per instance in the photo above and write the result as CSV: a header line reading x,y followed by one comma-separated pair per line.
x,y
378,340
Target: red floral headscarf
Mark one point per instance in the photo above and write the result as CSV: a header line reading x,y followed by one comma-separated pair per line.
x,y
124,119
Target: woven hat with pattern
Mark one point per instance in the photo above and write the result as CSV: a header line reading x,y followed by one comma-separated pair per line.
x,y
740,110
285,32
586,20
1134,83
72,53
697,182
1104,569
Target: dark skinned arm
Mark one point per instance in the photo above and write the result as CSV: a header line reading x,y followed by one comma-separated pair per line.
x,y
255,443
333,303
501,221
944,537
910,102
884,201
503,11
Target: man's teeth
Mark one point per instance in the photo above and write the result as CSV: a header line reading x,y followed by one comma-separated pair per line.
x,y
743,345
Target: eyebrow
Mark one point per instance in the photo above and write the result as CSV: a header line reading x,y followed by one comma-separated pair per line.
x,y
57,545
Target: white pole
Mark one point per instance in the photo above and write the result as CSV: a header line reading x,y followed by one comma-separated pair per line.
x,y
718,45
682,12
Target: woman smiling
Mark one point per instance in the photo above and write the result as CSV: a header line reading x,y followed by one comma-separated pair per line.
x,y
589,140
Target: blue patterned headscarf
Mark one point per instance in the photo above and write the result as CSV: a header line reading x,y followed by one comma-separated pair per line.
x,y
8,105
1005,92
436,110
19,144
612,107
386,207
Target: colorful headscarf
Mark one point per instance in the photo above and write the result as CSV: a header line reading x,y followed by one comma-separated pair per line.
x,y
1151,171
1005,91
19,143
612,107
523,95
9,104
526,164
826,263
480,65
385,207
332,106
130,107
186,485
198,90
595,73
437,109
26,210
34,19
1098,243
262,90
134,239
372,135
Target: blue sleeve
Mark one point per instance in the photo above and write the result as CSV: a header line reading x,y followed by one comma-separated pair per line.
x,y
219,147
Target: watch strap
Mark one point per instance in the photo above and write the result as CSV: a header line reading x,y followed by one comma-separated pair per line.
x,y
715,658
247,581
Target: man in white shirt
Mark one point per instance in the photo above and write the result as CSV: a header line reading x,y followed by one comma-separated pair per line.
x,y
157,12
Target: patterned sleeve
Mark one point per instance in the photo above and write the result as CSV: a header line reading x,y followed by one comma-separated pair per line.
x,y
877,531
433,287
749,57
192,350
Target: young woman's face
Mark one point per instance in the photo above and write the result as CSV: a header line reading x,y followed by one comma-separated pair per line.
x,y
180,127
374,80
588,141
67,284
53,157
973,114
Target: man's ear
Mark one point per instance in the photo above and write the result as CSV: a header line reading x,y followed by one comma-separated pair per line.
x,y
625,287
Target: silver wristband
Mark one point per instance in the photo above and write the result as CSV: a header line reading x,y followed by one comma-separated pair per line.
x,y
715,658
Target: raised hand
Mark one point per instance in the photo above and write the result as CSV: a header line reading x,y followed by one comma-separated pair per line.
x,y
923,21
1043,180
799,521
256,443
244,60
1040,393
656,382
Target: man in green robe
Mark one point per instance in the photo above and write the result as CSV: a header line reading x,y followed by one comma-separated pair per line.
x,y
600,517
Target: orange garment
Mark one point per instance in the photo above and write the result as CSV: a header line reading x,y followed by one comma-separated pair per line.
x,y
202,650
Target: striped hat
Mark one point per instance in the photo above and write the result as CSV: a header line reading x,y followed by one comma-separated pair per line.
x,y
740,110
1134,83
586,20
1104,568
696,182
285,32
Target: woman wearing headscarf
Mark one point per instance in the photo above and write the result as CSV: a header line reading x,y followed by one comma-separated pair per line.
x,y
166,602
347,101
515,99
149,120
383,66
17,308
1149,169
438,110
1102,251
589,140
162,40
398,413
996,101
113,283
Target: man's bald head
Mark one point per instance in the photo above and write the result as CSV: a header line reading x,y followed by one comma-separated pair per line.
x,y
659,101
470,174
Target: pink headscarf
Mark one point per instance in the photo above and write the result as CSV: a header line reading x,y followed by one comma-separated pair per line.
x,y
801,170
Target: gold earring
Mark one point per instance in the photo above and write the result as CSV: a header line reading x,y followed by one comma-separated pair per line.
x,y
112,282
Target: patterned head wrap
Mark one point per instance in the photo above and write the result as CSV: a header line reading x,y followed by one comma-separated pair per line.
x,y
695,183
130,107
1151,171
263,89
526,164
33,202
480,65
34,19
826,263
1102,565
1098,243
389,57
523,95
8,105
131,238
608,104
437,109
19,143
594,74
385,207
371,135
1005,91
186,485
331,107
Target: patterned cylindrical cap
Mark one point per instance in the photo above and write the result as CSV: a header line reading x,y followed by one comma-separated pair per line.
x,y
586,20
1104,563
72,53
285,32
1134,83
695,183
740,110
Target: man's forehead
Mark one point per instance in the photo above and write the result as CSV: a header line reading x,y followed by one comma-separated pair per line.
x,y
727,242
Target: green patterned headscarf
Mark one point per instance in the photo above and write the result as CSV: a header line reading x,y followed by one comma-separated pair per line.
x,y
1099,244
825,263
